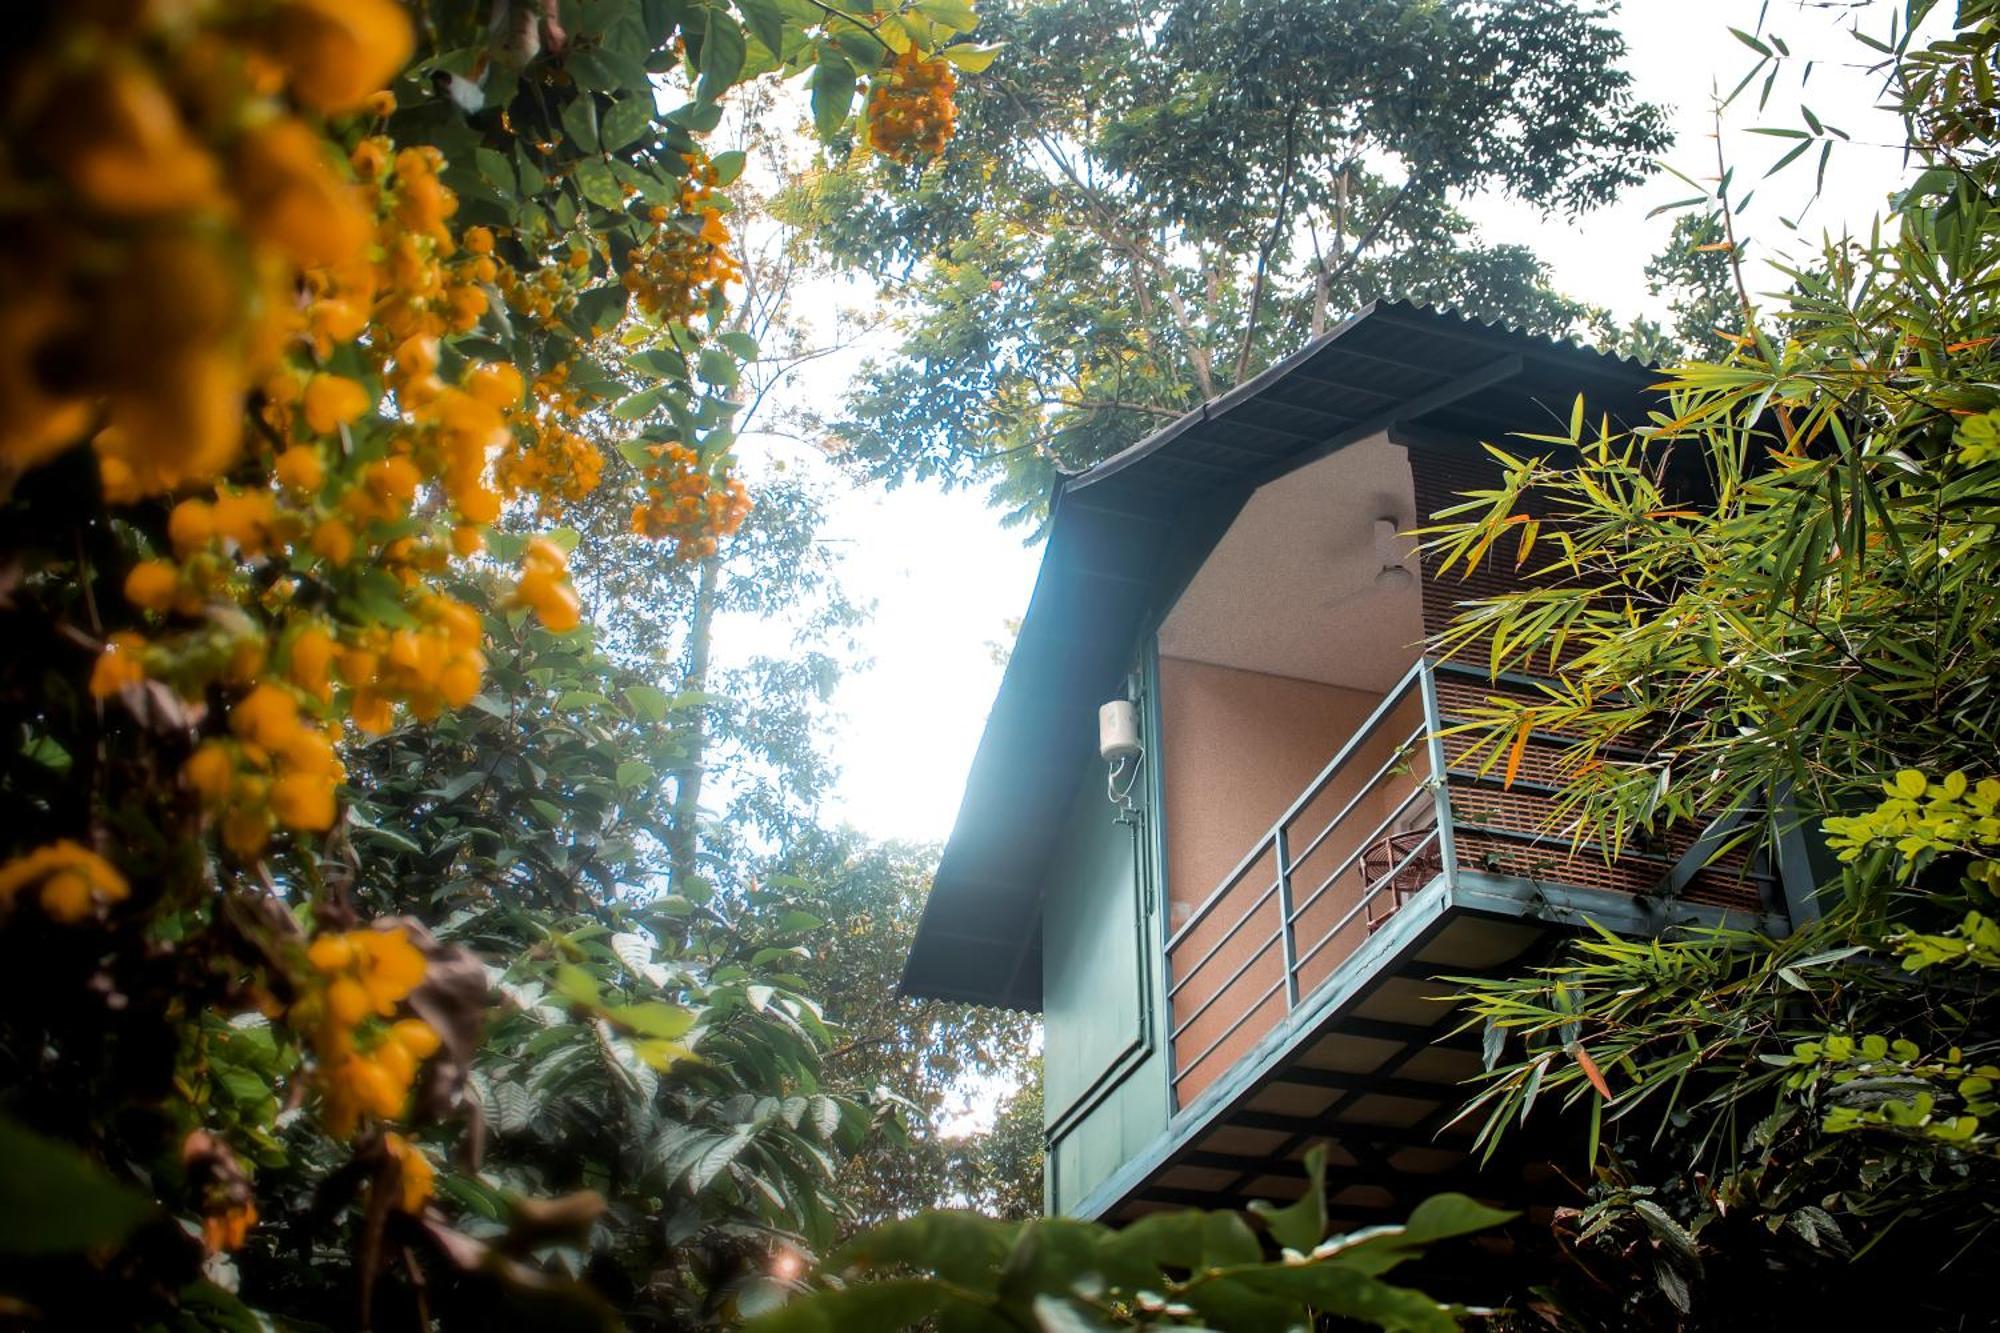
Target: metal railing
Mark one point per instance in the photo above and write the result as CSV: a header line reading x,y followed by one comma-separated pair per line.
x,y
1406,773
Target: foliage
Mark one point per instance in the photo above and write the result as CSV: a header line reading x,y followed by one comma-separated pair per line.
x,y
1176,1269
309,307
929,1054
1827,617
1776,600
1774,1111
1147,204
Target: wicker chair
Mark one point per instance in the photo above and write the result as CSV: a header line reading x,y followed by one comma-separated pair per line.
x,y
1384,887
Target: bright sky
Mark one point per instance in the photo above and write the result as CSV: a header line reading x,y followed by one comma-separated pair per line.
x,y
945,577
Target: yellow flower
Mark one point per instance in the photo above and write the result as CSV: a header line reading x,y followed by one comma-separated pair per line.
x,y
210,771
333,542
414,1173
299,469
346,1002
120,140
190,526
41,419
73,880
496,384
118,666
292,199
414,1035
152,585
310,665
245,830
303,801
266,717
331,953
66,897
390,966
338,52
331,401
229,1229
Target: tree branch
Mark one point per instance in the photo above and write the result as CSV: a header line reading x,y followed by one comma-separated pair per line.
x,y
1270,244
1122,237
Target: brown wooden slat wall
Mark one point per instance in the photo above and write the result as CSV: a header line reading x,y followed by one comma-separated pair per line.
x,y
1441,479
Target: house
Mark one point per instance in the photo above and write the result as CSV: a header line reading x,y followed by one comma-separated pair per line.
x,y
1234,932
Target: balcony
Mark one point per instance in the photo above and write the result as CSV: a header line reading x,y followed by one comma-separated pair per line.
x,y
1301,1000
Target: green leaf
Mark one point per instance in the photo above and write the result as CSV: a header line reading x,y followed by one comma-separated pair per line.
x,y
972,57
579,122
1303,1224
715,1159
889,1304
594,178
599,308
718,367
1333,1290
648,702
832,92
576,985
633,773
55,1200
636,407
497,171
661,363
722,51
654,1019
954,14
729,165
742,344
628,120
767,23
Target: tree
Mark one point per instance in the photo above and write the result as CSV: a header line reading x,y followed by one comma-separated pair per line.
x,y
927,1054
1802,638
1146,205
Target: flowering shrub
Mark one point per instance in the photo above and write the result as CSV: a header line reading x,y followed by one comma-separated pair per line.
x,y
306,307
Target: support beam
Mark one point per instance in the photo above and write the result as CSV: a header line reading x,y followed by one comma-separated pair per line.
x,y
1386,1085
1464,1178
1203,1199
1313,1128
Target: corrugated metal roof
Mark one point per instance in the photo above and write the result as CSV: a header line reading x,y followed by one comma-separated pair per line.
x,y
1125,535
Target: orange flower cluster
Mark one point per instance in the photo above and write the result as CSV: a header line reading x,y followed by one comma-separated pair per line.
x,y
910,112
688,504
549,294
228,1208
72,882
680,270
367,1058
120,666
546,457
415,1175
171,197
544,586
228,1228
431,666
419,282
277,767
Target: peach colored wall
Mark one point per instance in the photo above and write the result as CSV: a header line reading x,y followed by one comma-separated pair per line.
x,y
1238,747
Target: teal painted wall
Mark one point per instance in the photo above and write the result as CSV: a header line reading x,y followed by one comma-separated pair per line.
x,y
1105,1086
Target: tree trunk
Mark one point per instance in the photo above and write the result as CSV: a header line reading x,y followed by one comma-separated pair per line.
x,y
685,847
